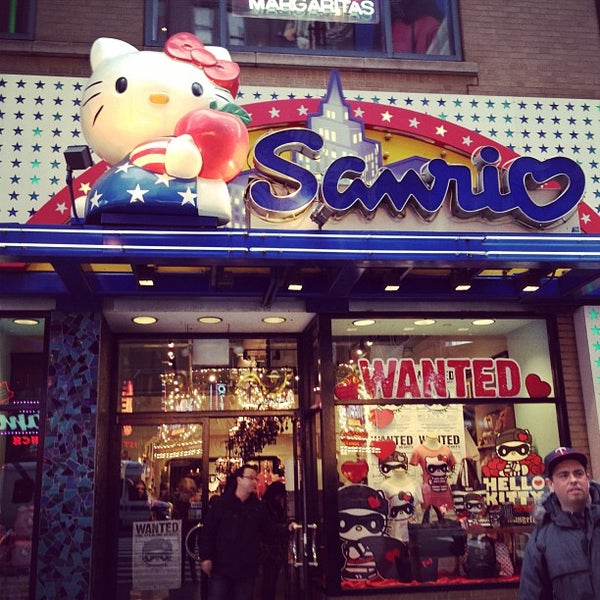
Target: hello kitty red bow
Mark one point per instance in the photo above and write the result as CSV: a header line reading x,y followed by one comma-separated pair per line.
x,y
187,47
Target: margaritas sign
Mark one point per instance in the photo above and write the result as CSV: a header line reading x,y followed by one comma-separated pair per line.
x,y
341,11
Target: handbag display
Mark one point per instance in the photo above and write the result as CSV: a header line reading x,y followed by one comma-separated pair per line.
x,y
466,482
434,539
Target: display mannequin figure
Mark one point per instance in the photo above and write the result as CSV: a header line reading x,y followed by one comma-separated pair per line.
x,y
431,442
437,462
404,500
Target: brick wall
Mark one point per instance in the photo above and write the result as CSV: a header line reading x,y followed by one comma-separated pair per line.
x,y
82,22
572,383
516,47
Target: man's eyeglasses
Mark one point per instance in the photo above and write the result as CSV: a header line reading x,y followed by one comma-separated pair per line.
x,y
249,477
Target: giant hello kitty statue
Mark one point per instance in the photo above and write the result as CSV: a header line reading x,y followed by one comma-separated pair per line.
x,y
166,124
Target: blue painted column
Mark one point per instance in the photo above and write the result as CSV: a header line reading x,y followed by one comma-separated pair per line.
x,y
65,534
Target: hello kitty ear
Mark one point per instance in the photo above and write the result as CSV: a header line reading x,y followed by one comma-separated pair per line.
x,y
106,48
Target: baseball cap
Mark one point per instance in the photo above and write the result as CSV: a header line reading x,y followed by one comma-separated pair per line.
x,y
559,454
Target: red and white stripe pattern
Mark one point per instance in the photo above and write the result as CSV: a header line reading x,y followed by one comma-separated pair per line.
x,y
151,156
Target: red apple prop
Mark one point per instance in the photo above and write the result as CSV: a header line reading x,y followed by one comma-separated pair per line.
x,y
222,139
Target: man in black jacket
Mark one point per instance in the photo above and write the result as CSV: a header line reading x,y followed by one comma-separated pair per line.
x,y
562,557
235,524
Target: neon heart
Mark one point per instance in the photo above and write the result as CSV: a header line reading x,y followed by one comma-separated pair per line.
x,y
355,471
382,448
537,387
381,417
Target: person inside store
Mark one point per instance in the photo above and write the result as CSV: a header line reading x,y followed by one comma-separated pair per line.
x,y
234,527
274,546
186,493
139,491
415,24
562,556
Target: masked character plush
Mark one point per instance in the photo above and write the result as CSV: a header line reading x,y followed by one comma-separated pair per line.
x,y
368,553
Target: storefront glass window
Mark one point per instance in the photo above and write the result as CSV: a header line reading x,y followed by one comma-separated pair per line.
x,y
208,375
448,415
417,28
22,379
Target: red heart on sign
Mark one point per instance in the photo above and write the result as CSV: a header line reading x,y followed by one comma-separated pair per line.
x,y
355,471
381,417
383,448
536,387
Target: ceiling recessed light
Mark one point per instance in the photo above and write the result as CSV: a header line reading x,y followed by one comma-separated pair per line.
x,y
424,322
274,320
294,287
210,320
483,322
391,287
363,322
144,320
26,322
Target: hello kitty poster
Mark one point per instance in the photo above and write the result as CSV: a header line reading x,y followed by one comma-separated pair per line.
x,y
167,126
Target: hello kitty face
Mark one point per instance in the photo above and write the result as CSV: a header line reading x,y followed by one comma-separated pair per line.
x,y
134,96
437,465
402,506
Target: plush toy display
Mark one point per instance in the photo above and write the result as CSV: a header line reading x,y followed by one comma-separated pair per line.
x,y
167,125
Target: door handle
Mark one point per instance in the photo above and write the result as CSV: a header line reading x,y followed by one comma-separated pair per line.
x,y
303,545
191,535
311,545
295,545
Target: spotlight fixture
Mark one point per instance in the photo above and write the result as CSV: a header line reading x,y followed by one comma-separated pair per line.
x,y
273,320
363,322
424,322
144,275
482,322
144,320
461,280
28,322
530,281
208,320
77,158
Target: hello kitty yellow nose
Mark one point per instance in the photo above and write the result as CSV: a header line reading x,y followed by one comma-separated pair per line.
x,y
159,98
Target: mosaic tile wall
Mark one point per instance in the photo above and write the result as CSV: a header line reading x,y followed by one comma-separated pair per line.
x,y
64,553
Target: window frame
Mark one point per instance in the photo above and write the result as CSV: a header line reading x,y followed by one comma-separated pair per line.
x,y
31,6
333,404
152,38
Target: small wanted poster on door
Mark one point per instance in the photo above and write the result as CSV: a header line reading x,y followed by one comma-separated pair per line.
x,y
156,555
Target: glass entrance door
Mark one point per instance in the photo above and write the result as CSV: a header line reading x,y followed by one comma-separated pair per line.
x,y
191,412
160,501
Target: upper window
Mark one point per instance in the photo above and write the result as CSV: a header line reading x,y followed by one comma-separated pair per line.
x,y
391,28
16,18
208,374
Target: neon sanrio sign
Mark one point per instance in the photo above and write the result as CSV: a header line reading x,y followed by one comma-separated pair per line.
x,y
501,190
